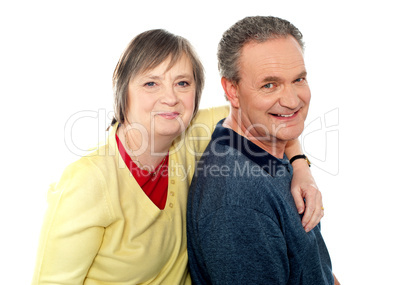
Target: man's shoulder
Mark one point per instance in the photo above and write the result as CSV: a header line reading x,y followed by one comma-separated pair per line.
x,y
232,162
223,159
224,173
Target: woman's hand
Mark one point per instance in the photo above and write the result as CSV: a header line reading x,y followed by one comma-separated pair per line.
x,y
304,188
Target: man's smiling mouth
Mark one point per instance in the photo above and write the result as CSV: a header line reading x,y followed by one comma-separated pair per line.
x,y
285,116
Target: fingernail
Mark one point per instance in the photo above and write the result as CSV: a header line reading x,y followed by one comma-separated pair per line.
x,y
307,230
304,224
300,210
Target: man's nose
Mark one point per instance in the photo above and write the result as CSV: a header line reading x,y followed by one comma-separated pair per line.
x,y
289,97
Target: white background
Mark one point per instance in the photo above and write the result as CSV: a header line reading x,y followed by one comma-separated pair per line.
x,y
57,60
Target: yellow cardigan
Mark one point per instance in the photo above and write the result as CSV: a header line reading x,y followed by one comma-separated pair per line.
x,y
101,228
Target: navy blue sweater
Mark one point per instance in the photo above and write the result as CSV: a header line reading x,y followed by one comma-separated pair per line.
x,y
242,223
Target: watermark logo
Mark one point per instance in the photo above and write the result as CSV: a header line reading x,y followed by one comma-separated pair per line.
x,y
320,138
86,123
320,141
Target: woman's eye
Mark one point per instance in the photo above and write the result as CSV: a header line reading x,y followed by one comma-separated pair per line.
x,y
150,84
183,83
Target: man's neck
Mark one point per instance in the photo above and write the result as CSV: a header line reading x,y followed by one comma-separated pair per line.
x,y
272,146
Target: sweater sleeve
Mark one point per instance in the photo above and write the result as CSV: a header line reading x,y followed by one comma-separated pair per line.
x,y
242,246
78,211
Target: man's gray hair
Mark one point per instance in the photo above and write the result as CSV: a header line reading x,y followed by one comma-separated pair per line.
x,y
258,29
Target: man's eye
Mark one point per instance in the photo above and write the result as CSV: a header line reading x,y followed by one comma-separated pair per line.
x,y
269,85
300,80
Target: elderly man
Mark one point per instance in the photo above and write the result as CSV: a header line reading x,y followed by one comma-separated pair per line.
x,y
242,222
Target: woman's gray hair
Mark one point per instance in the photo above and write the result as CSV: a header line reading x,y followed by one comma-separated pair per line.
x,y
258,29
145,52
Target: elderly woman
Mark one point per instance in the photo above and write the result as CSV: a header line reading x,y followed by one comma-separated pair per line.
x,y
117,215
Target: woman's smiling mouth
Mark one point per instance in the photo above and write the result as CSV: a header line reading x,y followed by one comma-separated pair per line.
x,y
169,115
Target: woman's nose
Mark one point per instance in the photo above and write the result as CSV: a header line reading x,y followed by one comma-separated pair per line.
x,y
170,97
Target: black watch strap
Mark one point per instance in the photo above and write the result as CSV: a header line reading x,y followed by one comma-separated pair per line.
x,y
300,156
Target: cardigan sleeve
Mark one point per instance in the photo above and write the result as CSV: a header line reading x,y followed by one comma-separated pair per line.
x,y
78,212
202,126
211,116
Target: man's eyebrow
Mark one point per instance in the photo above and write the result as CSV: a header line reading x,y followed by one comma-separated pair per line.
x,y
302,74
271,78
276,78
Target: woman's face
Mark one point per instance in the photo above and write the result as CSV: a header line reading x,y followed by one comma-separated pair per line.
x,y
162,101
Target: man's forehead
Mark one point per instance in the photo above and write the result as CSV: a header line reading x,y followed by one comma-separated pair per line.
x,y
272,56
280,49
274,41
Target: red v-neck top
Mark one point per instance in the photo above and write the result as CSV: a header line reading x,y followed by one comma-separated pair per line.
x,y
154,185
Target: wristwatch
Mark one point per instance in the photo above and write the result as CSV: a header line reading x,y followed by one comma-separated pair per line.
x,y
300,156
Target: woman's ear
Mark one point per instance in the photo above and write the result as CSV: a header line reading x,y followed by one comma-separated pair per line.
x,y
230,89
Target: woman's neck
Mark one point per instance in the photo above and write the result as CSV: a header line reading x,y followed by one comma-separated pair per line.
x,y
149,151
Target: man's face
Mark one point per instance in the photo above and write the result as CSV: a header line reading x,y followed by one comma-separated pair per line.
x,y
273,94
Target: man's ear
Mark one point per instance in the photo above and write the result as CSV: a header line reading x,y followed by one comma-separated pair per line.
x,y
230,89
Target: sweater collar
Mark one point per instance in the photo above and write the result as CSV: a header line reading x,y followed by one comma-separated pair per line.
x,y
265,160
